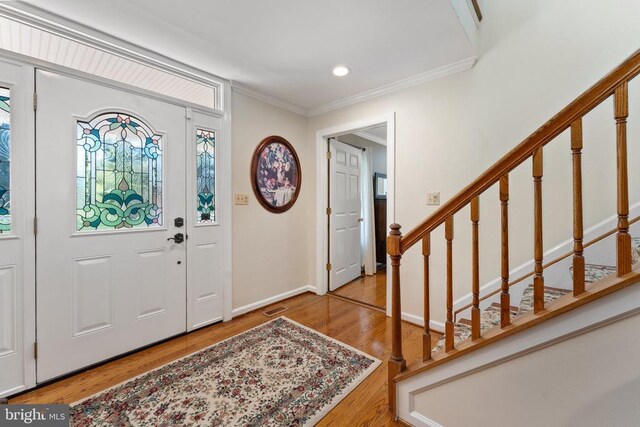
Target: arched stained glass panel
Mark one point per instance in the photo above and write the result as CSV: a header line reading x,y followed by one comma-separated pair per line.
x,y
119,174
5,160
206,175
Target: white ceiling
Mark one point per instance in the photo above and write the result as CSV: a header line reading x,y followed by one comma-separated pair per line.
x,y
287,48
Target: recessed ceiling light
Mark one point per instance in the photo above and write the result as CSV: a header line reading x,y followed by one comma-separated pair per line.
x,y
341,71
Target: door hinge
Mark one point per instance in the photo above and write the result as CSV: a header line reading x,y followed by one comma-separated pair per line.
x,y
329,266
35,101
329,155
328,211
35,350
35,225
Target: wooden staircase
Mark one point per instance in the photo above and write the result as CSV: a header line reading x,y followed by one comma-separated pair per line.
x,y
541,303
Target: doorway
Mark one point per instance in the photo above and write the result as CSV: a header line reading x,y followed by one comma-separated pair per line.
x,y
130,243
357,183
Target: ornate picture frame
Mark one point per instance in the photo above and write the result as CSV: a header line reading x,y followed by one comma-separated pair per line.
x,y
276,175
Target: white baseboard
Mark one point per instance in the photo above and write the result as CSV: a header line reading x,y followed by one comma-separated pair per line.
x,y
259,304
419,321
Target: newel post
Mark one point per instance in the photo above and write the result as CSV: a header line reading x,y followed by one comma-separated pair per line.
x,y
397,363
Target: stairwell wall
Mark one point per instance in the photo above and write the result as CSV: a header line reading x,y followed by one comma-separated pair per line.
x,y
561,385
535,58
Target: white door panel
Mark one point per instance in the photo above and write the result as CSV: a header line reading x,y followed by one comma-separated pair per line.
x,y
205,221
17,318
345,252
109,189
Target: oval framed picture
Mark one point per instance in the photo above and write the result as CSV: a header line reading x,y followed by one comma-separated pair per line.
x,y
276,176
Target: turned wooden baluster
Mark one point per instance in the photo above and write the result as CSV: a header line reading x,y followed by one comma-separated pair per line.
x,y
505,302
578,230
448,326
621,101
397,363
475,269
426,337
538,278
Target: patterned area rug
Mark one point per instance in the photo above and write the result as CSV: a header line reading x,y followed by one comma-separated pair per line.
x,y
280,373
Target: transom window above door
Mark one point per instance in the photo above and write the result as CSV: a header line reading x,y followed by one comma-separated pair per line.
x,y
119,181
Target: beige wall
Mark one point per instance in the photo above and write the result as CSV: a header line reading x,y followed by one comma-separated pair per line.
x,y
535,57
589,380
270,255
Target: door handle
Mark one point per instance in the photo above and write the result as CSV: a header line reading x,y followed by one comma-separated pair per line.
x,y
178,238
360,219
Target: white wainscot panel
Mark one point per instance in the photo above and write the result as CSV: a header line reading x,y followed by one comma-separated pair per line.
x,y
207,262
151,277
8,321
92,294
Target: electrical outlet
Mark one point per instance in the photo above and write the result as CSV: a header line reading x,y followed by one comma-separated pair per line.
x,y
241,198
433,199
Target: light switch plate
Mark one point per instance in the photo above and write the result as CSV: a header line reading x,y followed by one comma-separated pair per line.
x,y
433,199
241,198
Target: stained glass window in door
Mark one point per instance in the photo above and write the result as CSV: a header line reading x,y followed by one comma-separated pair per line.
x,y
5,160
206,175
119,174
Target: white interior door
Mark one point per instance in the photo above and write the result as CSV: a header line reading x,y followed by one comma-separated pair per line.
x,y
17,268
345,251
110,185
205,221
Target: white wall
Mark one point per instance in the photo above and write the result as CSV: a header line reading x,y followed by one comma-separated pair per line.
x,y
270,255
589,380
535,57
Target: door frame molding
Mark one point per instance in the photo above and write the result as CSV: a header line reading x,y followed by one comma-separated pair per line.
x,y
322,190
28,307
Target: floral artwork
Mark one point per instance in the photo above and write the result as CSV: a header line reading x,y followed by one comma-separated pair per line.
x,y
276,174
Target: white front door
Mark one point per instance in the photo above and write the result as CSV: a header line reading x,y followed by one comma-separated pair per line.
x,y
110,187
205,273
17,268
344,175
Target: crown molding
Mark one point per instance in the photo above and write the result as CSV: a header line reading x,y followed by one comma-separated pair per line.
x,y
416,80
366,135
269,99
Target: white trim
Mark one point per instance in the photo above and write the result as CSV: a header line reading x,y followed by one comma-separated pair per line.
x,y
604,311
322,283
366,135
418,79
468,19
421,420
419,321
226,189
269,99
267,301
56,24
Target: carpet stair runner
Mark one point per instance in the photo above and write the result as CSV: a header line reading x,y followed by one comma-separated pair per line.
x,y
490,317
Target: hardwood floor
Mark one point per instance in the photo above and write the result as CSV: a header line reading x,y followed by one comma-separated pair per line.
x,y
370,290
363,328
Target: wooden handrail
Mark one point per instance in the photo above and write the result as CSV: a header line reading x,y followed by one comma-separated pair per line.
x,y
545,266
547,132
615,83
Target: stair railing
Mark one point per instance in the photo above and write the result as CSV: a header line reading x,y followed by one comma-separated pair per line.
x,y
514,282
615,83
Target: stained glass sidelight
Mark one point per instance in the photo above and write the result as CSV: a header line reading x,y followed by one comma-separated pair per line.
x,y
119,174
5,160
206,175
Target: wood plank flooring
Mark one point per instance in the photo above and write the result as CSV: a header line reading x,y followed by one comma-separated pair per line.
x,y
367,289
363,328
